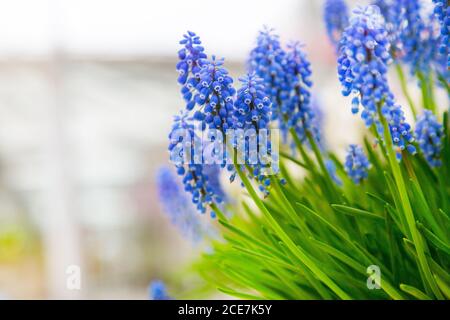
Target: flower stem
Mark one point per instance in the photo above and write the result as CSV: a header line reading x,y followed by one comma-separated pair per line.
x,y
444,82
431,218
219,212
296,250
404,86
407,209
309,164
427,96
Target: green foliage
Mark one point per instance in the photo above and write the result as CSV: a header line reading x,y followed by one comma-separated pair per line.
x,y
313,239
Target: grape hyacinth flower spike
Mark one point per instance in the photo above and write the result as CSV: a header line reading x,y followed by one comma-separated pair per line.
x,y
362,70
268,61
419,37
442,11
298,112
191,57
429,134
188,160
252,111
177,205
394,15
414,36
157,291
336,19
252,108
215,96
208,91
286,77
189,164
356,163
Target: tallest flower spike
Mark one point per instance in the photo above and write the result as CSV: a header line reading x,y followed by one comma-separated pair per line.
x,y
191,56
268,61
208,92
286,76
362,69
299,113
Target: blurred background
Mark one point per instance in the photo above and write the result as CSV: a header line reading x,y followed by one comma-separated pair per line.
x,y
87,94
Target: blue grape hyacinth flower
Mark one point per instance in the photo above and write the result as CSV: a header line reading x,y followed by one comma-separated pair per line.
x,y
157,291
183,144
442,12
268,61
298,110
198,184
429,134
215,95
286,76
394,16
212,172
209,94
252,108
419,38
356,163
177,205
252,111
362,70
191,56
336,19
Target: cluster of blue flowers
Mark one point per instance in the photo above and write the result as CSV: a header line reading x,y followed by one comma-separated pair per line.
x,y
286,76
393,13
442,11
157,291
252,105
277,88
177,205
206,84
418,37
429,133
415,35
212,103
188,161
252,113
191,57
356,163
336,19
198,184
182,129
267,60
215,96
362,70
301,115
212,172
